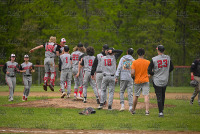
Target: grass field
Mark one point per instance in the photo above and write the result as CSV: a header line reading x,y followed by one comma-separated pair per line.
x,y
182,117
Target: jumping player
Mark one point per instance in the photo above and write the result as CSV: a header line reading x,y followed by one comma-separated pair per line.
x,y
87,62
27,68
97,67
51,50
195,75
126,81
10,69
141,81
159,68
108,70
79,50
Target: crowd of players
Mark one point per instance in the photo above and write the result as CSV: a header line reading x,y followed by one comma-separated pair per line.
x,y
101,72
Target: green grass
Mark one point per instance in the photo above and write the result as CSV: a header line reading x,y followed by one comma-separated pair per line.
x,y
117,89
183,117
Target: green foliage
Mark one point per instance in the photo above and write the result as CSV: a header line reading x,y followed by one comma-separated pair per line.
x,y
120,23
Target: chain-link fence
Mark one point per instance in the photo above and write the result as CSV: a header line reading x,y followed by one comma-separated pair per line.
x,y
179,77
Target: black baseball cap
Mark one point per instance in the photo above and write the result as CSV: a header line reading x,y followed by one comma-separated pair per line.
x,y
160,48
66,48
80,45
105,47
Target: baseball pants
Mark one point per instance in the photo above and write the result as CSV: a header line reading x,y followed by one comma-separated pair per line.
x,y
49,66
126,84
160,94
78,81
108,81
66,75
197,89
27,85
99,78
87,78
11,81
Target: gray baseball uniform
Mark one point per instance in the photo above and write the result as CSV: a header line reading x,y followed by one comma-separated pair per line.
x,y
87,63
11,67
77,80
49,63
126,81
108,69
66,72
27,77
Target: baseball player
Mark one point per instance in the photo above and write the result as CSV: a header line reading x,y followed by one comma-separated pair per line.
x,y
61,51
160,67
195,75
51,50
108,70
141,82
97,67
79,50
66,73
126,81
27,68
10,69
87,62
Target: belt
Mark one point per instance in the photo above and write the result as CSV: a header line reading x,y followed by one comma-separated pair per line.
x,y
108,75
27,75
10,76
99,72
66,69
49,57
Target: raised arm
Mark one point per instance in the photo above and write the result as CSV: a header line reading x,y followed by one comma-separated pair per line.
x,y
35,48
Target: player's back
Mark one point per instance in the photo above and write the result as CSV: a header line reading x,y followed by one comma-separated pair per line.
x,y
50,50
161,69
75,58
88,62
99,66
108,65
66,61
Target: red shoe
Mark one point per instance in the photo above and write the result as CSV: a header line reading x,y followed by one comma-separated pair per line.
x,y
60,90
23,98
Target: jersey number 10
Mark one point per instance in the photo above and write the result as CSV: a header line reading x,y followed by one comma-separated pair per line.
x,y
160,63
107,62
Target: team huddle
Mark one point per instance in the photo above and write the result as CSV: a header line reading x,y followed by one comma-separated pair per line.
x,y
102,72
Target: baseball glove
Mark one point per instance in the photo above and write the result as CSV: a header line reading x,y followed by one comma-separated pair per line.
x,y
88,111
194,83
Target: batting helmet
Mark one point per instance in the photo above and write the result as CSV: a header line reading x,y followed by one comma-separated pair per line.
x,y
194,83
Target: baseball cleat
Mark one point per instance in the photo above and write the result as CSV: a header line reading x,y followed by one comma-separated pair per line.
x,y
23,98
60,90
45,86
132,111
100,106
161,115
191,102
51,87
104,104
122,109
10,100
98,102
68,95
84,100
147,113
63,95
109,107
79,98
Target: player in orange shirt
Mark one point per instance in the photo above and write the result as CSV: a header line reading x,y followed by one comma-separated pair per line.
x,y
141,83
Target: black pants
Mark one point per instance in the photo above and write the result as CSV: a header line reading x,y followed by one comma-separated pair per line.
x,y
160,94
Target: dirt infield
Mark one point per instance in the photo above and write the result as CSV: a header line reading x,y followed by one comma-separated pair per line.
x,y
49,131
71,103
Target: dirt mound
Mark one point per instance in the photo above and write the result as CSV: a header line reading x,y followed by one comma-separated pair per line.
x,y
71,103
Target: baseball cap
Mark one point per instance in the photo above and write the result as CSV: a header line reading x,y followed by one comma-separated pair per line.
x,y
160,48
12,55
63,40
105,47
26,56
80,45
66,48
